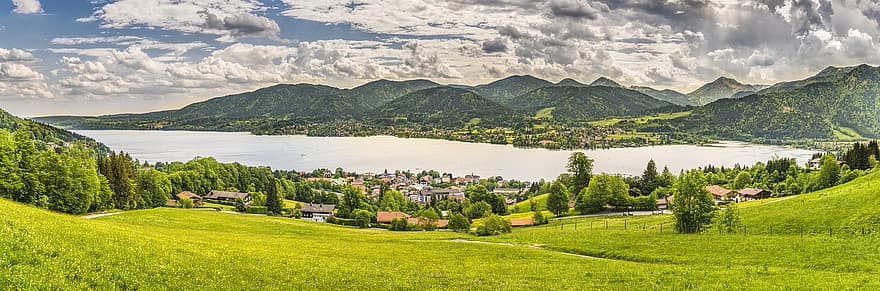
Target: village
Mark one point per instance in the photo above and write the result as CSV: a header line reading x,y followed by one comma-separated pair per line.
x,y
426,190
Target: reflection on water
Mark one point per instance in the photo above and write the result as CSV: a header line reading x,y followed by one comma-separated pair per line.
x,y
375,154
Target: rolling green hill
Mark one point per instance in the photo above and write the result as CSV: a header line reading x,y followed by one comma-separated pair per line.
x,y
721,88
374,94
847,99
447,107
846,208
190,249
587,103
504,90
46,133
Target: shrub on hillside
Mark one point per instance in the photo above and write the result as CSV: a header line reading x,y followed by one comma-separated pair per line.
x,y
362,218
185,203
539,219
458,222
494,225
399,224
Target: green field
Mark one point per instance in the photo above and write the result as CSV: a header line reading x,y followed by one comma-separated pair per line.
x,y
546,113
640,119
847,134
170,248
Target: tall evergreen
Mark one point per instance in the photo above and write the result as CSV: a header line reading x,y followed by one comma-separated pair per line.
x,y
274,201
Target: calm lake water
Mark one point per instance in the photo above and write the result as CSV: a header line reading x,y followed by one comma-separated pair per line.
x,y
375,154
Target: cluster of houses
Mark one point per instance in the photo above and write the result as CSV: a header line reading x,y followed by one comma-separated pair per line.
x,y
723,195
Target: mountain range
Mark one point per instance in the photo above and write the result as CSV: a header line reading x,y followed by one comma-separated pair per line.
x,y
836,102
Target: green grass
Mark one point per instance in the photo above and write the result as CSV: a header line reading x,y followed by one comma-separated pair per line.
x,y
473,121
526,206
546,113
640,119
847,134
168,248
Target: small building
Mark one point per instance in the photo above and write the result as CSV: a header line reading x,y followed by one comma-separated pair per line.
x,y
517,222
228,196
663,203
196,199
753,194
387,216
317,212
507,191
719,193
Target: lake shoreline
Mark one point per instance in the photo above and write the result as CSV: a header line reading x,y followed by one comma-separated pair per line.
x,y
379,153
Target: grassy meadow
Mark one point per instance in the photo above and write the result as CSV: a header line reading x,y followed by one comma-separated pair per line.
x,y
202,249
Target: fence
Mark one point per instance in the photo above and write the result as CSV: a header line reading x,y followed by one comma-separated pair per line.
x,y
765,230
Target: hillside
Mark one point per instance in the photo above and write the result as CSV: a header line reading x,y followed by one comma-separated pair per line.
x,y
817,110
376,93
667,95
719,89
587,103
504,90
46,133
446,107
846,208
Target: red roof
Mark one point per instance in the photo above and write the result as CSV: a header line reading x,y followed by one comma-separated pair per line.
x,y
440,222
521,222
718,191
388,216
751,191
187,194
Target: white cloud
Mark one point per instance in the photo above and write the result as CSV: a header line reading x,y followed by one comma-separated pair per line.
x,y
18,72
229,19
27,6
124,39
15,55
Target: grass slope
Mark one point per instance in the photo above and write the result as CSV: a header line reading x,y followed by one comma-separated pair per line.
x,y
189,249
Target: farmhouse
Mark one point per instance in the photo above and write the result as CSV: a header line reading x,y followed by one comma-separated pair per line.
x,y
753,194
317,212
196,199
228,196
663,203
719,193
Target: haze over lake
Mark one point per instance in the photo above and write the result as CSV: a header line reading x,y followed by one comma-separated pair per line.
x,y
375,154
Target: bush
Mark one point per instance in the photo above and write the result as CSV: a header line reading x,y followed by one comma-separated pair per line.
x,y
342,221
539,219
185,203
459,223
427,219
239,205
493,225
257,210
399,224
362,218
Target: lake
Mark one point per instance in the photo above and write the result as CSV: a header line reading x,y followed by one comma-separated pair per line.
x,y
377,153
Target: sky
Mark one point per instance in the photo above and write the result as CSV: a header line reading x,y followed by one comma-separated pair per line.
x,y
102,57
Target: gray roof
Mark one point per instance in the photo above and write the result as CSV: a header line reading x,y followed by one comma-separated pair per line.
x,y
224,194
318,208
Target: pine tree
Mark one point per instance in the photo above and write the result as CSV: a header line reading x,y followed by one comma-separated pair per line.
x,y
274,201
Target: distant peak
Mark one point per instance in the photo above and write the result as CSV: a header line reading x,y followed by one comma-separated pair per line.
x,y
569,82
603,81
